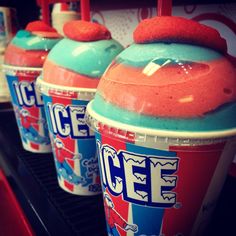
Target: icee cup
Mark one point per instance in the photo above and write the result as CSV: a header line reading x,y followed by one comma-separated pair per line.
x,y
164,120
69,80
23,61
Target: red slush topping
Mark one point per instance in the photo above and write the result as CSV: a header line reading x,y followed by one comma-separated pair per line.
x,y
39,26
172,29
42,29
85,31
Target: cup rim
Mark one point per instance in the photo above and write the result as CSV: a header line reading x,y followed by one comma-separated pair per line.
x,y
45,86
20,68
94,118
49,89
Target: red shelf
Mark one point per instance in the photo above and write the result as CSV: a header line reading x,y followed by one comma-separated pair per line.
x,y
12,219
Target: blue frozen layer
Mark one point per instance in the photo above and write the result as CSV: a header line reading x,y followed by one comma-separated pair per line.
x,y
87,58
139,55
28,41
221,119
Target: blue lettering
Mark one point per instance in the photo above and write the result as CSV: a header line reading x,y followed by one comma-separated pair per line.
x,y
111,164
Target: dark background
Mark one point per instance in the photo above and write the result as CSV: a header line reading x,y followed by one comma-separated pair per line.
x,y
27,10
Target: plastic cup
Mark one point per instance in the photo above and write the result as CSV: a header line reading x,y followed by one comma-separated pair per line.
x,y
60,16
164,121
73,142
68,83
59,19
159,183
23,61
28,108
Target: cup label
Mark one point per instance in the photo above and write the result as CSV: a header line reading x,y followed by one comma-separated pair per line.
x,y
73,145
29,111
157,191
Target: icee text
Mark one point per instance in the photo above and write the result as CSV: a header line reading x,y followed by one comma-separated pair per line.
x,y
144,180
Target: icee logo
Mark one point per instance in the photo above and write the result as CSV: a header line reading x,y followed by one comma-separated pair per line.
x,y
144,180
68,120
26,94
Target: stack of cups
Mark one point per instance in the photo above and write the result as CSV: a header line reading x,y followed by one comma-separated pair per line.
x,y
4,91
164,116
70,77
24,58
8,27
62,13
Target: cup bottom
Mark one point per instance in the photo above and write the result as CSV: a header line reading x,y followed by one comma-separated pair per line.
x,y
76,189
36,148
